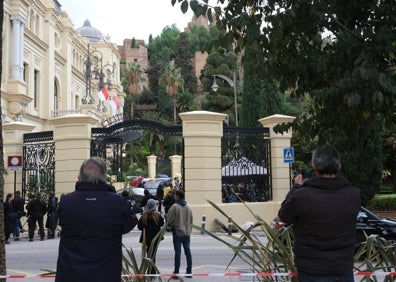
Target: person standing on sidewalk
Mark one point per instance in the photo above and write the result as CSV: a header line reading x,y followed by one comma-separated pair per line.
x,y
18,207
93,219
323,213
8,217
36,209
180,220
150,224
52,217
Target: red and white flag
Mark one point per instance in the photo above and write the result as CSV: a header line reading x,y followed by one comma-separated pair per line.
x,y
103,94
114,104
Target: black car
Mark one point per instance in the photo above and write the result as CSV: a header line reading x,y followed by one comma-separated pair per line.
x,y
368,223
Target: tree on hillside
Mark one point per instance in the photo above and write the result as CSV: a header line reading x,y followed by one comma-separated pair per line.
x,y
201,38
173,81
260,96
164,46
184,60
133,76
3,269
161,50
154,72
341,54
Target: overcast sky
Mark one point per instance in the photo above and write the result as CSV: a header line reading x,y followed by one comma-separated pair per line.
x,y
123,19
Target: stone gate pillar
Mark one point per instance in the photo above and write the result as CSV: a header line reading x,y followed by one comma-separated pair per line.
x,y
152,166
176,166
13,141
280,171
202,133
72,136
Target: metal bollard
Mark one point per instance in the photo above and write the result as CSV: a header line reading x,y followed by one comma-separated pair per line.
x,y
203,224
230,225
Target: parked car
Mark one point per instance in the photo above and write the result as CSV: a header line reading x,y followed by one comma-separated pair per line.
x,y
136,193
368,223
153,185
371,223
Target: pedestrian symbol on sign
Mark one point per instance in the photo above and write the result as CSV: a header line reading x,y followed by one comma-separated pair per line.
x,y
288,155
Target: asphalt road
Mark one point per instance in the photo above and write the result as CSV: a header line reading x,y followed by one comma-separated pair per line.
x,y
209,257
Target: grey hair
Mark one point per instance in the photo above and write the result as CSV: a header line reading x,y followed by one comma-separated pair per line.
x,y
326,160
93,170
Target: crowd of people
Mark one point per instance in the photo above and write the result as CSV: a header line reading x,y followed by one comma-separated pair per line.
x,y
36,209
93,219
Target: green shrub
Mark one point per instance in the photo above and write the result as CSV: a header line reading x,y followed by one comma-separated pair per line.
x,y
382,203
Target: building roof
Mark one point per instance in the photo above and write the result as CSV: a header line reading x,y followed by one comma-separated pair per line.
x,y
89,32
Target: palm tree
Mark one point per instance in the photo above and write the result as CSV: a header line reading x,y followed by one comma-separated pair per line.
x,y
134,76
174,82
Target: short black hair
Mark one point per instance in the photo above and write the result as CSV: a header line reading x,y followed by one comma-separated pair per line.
x,y
180,194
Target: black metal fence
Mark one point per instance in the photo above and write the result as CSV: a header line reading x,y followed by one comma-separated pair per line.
x,y
109,142
38,173
246,164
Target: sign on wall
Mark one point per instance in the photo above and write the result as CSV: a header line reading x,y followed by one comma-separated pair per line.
x,y
14,163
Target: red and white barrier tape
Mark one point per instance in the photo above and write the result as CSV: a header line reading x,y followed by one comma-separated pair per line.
x,y
227,274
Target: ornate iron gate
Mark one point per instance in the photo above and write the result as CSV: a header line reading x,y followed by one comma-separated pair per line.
x,y
38,172
109,142
246,164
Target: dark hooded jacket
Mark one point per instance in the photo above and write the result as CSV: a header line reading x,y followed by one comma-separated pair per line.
x,y
93,219
323,212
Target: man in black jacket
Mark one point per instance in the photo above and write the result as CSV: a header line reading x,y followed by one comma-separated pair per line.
x,y
323,211
18,207
36,209
93,219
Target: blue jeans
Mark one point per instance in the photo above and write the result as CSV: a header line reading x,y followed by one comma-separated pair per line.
x,y
17,223
309,277
178,241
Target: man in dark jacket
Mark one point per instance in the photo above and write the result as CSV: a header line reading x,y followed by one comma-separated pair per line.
x,y
323,211
18,207
93,219
36,209
52,216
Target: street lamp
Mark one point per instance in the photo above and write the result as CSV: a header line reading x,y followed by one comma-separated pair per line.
x,y
95,70
232,83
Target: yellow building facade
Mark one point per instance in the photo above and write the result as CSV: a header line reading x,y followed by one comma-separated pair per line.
x,y
44,74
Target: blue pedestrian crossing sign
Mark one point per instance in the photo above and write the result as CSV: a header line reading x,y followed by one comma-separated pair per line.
x,y
288,155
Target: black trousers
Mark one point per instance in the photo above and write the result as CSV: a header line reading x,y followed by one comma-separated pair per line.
x,y
33,219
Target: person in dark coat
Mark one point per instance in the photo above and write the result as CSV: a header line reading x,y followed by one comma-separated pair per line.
x,y
146,197
150,224
93,219
323,213
169,200
36,209
18,207
8,218
160,196
52,216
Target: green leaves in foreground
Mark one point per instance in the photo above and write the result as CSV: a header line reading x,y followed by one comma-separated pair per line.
x,y
269,251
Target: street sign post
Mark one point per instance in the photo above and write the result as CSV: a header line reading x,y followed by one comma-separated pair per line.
x,y
14,164
288,155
